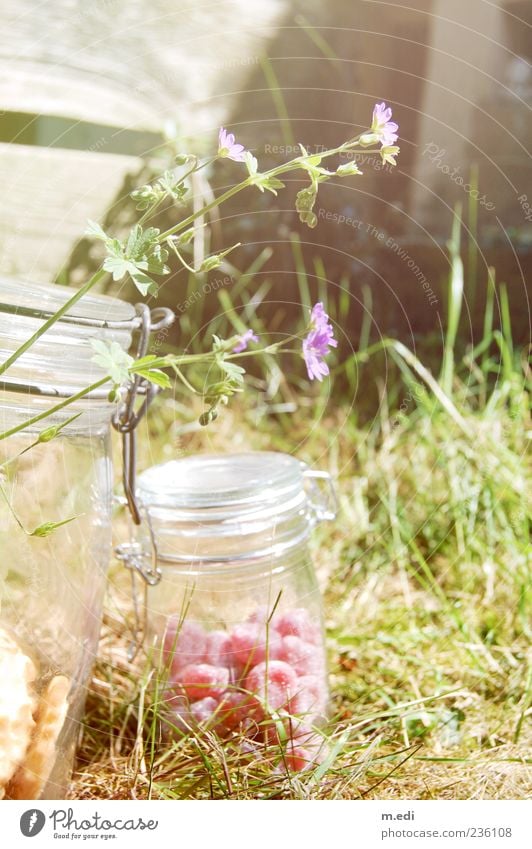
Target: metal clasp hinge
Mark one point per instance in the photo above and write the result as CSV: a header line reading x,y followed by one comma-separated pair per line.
x,y
323,499
133,556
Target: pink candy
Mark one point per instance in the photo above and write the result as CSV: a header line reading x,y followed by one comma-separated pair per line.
x,y
184,643
218,649
200,680
309,700
300,655
274,682
245,642
203,709
234,679
236,707
297,623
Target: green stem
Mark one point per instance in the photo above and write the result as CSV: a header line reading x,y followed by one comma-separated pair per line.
x,y
212,205
46,413
292,165
10,506
151,210
183,379
52,320
173,360
181,259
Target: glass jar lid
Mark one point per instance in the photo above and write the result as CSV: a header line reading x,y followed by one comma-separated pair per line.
x,y
220,507
60,362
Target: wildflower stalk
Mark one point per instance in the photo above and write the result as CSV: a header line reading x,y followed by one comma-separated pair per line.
x,y
146,250
174,361
292,165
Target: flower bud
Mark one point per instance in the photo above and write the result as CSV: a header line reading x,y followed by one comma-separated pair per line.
x,y
208,417
348,169
183,158
48,434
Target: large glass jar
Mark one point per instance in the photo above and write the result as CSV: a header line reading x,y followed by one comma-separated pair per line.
x,y
236,619
51,582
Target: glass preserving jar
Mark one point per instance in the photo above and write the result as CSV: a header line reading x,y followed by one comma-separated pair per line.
x,y
51,584
236,618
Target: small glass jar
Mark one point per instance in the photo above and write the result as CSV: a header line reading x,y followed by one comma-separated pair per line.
x,y
236,618
51,583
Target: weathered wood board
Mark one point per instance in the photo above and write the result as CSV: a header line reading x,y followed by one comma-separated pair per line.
x,y
133,65
47,196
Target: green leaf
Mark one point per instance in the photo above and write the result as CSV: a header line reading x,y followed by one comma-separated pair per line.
x,y
172,186
261,181
113,359
141,243
144,284
154,375
118,267
94,230
233,371
271,184
310,165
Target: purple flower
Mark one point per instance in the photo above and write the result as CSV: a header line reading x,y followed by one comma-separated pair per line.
x,y
227,147
382,127
317,343
242,344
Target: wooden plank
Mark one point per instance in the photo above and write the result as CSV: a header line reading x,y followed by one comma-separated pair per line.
x,y
47,197
47,89
133,64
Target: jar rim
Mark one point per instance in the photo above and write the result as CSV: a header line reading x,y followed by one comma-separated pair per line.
x,y
254,479
21,297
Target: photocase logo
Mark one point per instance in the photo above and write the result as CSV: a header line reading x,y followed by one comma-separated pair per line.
x,y
32,822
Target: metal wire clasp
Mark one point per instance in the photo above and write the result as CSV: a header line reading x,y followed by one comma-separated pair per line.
x,y
126,419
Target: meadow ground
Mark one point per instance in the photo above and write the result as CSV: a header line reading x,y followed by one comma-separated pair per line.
x,y
425,576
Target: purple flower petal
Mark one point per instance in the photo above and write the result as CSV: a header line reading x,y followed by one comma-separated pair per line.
x,y
242,344
382,126
228,148
317,343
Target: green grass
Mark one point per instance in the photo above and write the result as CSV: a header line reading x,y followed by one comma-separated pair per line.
x,y
426,583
